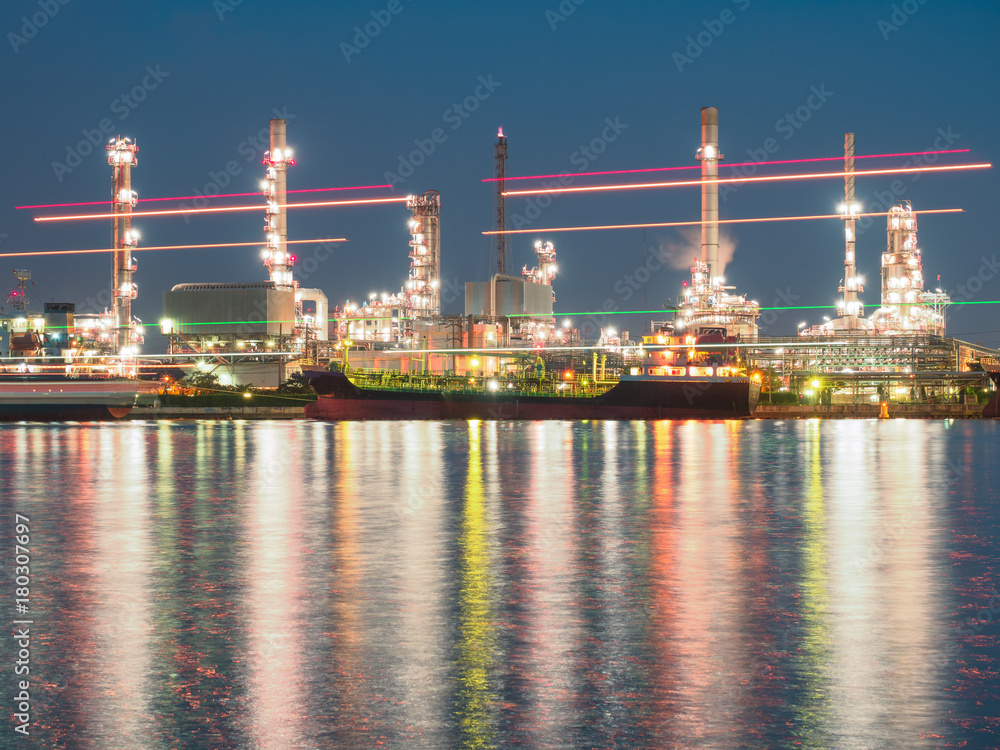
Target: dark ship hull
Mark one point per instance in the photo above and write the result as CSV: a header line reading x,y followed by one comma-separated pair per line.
x,y
992,367
633,397
26,398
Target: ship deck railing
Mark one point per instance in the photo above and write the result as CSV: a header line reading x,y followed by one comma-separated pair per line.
x,y
387,380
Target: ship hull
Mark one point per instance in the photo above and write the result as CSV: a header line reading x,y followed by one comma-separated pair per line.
x,y
639,398
69,400
992,367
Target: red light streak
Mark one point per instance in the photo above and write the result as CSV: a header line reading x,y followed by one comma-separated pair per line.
x,y
739,164
165,247
740,180
208,197
221,209
720,221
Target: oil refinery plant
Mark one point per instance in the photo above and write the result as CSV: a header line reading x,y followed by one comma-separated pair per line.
x,y
261,332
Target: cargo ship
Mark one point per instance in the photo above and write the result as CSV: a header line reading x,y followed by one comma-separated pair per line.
x,y
668,384
25,397
992,367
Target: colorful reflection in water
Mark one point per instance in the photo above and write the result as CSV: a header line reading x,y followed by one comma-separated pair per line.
x,y
476,699
482,584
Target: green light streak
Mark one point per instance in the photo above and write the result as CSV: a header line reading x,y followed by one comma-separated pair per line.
x,y
762,309
661,311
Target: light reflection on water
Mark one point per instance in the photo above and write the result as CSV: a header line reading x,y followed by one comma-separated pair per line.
x,y
482,584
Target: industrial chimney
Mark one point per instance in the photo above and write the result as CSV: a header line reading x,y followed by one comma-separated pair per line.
x,y
278,159
709,157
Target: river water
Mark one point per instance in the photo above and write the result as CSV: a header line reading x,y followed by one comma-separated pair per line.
x,y
812,584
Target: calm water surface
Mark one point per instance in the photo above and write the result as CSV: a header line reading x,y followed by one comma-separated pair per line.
x,y
478,584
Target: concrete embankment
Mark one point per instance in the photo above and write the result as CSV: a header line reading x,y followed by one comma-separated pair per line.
x,y
868,411
217,412
764,411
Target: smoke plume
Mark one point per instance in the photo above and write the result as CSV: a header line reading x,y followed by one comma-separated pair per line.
x,y
680,252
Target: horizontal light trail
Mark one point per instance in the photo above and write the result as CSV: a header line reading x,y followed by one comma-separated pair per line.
x,y
742,180
143,361
738,164
206,197
260,207
720,221
166,247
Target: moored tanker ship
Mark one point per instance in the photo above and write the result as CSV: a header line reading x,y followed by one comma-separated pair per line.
x,y
691,386
992,367
56,398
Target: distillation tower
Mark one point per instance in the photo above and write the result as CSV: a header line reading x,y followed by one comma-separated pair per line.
x,y
122,157
423,287
906,307
277,160
545,271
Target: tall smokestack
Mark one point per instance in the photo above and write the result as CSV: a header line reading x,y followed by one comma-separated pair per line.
x,y
278,148
276,258
709,157
850,307
501,226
